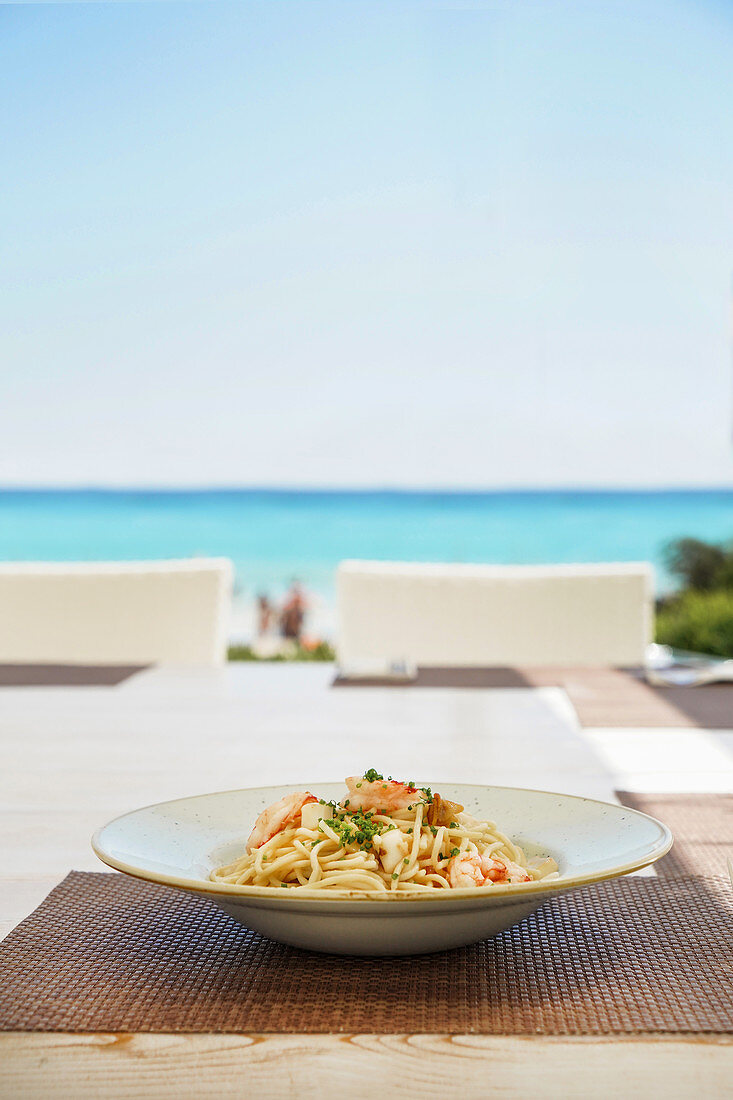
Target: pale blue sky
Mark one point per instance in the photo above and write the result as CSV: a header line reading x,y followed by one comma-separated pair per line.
x,y
366,244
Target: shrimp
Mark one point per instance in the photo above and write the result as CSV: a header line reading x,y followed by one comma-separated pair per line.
x,y
277,817
475,870
380,794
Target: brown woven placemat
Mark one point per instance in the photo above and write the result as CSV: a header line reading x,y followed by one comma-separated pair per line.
x,y
108,953
702,825
611,697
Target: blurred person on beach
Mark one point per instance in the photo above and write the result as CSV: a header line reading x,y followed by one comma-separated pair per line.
x,y
265,615
292,614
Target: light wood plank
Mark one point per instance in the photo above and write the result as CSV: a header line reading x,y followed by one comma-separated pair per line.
x,y
361,1066
20,896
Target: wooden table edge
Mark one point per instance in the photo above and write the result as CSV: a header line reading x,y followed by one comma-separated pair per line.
x,y
106,1064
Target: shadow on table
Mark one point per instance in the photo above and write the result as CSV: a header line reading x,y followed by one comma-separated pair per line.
x,y
46,675
611,697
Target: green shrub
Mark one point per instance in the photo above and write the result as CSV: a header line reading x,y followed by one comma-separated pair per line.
x,y
701,622
323,651
700,565
246,653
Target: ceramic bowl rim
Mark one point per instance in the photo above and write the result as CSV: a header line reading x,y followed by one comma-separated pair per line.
x,y
516,891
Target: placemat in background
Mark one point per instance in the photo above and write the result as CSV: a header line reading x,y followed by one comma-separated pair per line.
x,y
606,697
702,825
44,675
636,955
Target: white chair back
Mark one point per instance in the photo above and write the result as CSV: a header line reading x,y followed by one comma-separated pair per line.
x,y
102,613
484,615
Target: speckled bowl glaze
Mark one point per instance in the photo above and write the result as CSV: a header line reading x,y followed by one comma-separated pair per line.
x,y
179,843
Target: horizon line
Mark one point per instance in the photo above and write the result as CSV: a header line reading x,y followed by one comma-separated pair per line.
x,y
364,490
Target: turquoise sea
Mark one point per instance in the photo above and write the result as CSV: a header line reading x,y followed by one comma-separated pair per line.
x,y
275,535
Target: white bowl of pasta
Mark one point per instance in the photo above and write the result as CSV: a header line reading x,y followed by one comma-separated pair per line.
x,y
380,867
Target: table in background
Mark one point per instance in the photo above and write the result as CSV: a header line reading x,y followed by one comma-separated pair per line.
x,y
74,757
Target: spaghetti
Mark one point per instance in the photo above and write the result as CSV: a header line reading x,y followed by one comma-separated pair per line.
x,y
384,837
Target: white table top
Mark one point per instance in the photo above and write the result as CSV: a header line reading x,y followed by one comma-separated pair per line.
x,y
75,757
